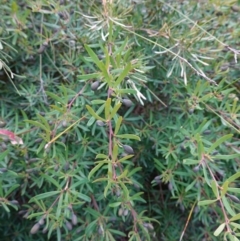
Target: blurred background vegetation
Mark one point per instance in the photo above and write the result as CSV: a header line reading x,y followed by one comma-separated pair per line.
x,y
178,82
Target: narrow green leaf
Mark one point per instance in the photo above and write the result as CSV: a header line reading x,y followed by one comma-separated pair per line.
x,y
93,212
123,175
116,204
126,91
224,188
120,50
232,237
232,189
133,171
96,168
91,121
98,112
214,188
4,154
236,225
99,63
11,189
97,102
234,218
51,180
101,156
44,195
57,108
219,229
94,57
38,124
206,175
84,197
59,234
117,232
234,177
225,157
228,206
59,206
95,115
190,186
129,136
125,158
118,124
56,98
206,202
101,179
45,123
89,76
115,151
125,190
219,142
106,189
115,110
200,147
123,74
190,162
136,197
5,207
90,227
107,108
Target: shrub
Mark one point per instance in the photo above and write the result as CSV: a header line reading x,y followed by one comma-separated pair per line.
x,y
119,120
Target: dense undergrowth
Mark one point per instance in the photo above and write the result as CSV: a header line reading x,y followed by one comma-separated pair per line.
x,y
119,120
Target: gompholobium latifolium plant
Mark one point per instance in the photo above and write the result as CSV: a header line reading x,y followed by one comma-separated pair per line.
x,y
79,173
107,184
116,163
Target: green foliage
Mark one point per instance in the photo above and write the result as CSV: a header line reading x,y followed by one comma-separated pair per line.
x,y
119,120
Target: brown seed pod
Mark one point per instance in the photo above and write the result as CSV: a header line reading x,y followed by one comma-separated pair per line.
x,y
150,226
128,149
196,168
207,132
127,102
66,166
68,225
64,123
235,8
4,146
35,228
21,212
120,212
3,170
26,215
118,192
45,230
170,186
190,111
14,202
95,85
157,179
100,123
74,219
41,221
33,160
125,212
42,47
2,123
38,140
100,230
233,198
30,170
215,153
